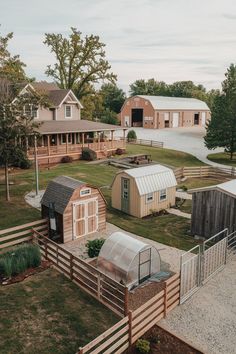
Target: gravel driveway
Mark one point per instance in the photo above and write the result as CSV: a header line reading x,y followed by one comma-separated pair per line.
x,y
208,318
183,139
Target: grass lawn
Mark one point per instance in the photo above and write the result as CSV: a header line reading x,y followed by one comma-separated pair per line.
x,y
191,183
223,158
47,313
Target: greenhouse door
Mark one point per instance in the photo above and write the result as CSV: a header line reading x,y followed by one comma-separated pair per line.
x,y
125,195
144,271
85,217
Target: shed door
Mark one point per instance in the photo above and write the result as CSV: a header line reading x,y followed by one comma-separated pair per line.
x,y
85,217
175,120
125,187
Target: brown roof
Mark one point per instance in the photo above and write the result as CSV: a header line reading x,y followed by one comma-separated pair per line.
x,y
57,96
54,93
73,126
44,86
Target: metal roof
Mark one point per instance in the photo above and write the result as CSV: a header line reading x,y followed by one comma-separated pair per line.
x,y
177,103
59,191
152,178
226,187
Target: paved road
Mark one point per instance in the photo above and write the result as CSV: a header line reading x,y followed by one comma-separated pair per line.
x,y
183,139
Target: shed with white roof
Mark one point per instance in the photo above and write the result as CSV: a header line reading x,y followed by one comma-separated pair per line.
x,y
163,112
144,190
213,209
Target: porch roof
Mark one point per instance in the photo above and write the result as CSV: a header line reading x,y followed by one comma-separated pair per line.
x,y
74,126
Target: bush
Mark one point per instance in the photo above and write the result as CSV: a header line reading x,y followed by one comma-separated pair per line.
x,y
66,159
119,151
21,160
131,135
19,259
143,346
88,155
94,247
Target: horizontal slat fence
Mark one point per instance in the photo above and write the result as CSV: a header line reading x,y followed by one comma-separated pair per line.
x,y
23,233
205,171
109,292
145,142
124,333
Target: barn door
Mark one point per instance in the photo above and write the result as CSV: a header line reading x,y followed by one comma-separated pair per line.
x,y
175,120
85,217
125,195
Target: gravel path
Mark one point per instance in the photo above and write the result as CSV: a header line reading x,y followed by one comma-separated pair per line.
x,y
178,213
208,318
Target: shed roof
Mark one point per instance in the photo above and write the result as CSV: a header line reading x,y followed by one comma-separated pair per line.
x,y
59,191
226,187
177,103
152,178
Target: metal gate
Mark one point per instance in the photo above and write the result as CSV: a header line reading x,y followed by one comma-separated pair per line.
x,y
203,261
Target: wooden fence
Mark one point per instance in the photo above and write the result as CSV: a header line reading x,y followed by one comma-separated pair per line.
x,y
124,333
144,142
106,290
23,233
205,171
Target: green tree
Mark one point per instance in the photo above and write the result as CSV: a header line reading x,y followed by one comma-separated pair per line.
x,y
109,117
149,87
79,61
113,97
221,130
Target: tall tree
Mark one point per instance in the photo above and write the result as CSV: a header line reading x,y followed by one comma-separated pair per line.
x,y
113,97
221,130
79,61
149,87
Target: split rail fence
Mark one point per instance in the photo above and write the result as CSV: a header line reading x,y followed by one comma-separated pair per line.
x,y
205,171
106,290
152,143
124,333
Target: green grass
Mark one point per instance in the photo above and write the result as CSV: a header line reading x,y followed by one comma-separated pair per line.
x,y
48,314
223,158
191,183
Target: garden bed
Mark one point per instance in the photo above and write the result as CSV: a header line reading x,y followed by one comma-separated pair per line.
x,y
163,342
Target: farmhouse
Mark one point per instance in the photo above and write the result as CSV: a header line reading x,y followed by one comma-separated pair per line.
x,y
143,190
213,209
163,112
78,208
62,131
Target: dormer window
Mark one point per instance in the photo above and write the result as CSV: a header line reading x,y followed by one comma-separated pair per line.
x,y
68,111
31,111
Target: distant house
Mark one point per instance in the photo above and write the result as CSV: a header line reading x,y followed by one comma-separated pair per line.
x,y
213,209
79,208
163,112
63,132
143,190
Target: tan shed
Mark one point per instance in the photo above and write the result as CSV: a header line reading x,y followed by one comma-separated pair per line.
x,y
75,209
143,190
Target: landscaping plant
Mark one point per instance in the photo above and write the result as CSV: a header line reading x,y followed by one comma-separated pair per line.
x,y
66,159
131,135
143,346
88,155
94,247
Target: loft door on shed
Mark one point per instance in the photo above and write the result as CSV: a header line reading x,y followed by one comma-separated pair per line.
x,y
85,217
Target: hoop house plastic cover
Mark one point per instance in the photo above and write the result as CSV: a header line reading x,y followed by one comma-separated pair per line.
x,y
128,260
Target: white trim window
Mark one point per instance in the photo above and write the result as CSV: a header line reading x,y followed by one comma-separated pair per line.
x,y
68,111
162,195
85,192
149,198
31,111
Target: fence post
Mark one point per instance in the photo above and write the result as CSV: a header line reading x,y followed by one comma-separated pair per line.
x,y
130,317
71,266
165,300
126,302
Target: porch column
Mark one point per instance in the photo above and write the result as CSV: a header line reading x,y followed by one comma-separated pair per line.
x,y
66,142
48,139
75,142
42,141
82,139
112,137
99,141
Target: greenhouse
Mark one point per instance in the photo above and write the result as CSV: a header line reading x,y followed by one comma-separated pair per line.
x,y
128,260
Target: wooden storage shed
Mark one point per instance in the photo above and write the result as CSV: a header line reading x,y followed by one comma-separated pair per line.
x,y
213,209
79,208
143,190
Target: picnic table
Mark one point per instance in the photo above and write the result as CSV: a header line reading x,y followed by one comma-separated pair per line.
x,y
140,159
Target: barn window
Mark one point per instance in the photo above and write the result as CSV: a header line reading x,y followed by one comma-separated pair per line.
x,y
85,192
149,197
162,194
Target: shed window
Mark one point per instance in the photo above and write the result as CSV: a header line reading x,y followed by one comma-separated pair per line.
x,y
85,192
162,194
68,111
149,197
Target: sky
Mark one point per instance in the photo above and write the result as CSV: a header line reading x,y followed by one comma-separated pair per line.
x,y
169,40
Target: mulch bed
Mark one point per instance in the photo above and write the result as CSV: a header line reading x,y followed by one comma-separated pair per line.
x,y
30,271
167,343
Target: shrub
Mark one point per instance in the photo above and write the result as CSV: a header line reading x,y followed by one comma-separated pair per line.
x,y
88,155
66,159
6,267
143,346
119,151
94,247
131,135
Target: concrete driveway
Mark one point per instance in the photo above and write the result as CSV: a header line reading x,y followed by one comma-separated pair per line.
x,y
183,139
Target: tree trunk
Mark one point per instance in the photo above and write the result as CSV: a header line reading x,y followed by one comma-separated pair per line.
x,y
231,154
7,182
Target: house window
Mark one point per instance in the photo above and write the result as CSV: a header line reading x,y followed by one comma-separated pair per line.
x,y
85,192
68,111
149,197
162,194
30,111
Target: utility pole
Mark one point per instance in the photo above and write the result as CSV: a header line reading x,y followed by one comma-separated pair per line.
x,y
36,167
